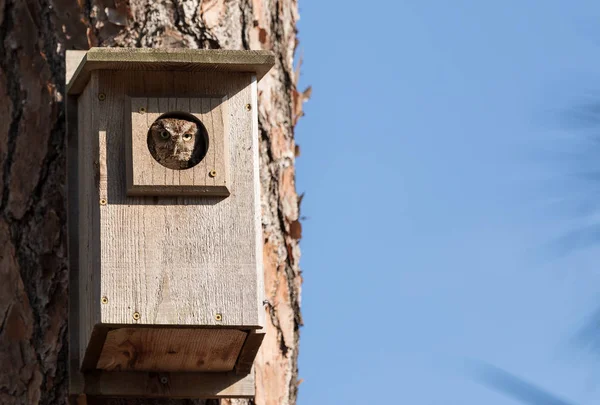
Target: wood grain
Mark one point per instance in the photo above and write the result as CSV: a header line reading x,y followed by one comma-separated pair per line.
x,y
75,377
248,353
190,60
72,60
258,229
94,348
167,349
145,176
179,260
88,167
168,385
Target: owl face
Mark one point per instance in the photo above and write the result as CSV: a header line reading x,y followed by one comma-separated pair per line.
x,y
172,142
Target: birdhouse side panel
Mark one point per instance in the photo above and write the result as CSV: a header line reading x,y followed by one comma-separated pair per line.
x,y
89,215
187,260
258,230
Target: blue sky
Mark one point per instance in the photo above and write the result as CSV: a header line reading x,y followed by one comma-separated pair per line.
x,y
452,189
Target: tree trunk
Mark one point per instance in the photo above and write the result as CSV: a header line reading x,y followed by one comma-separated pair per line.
x,y
34,35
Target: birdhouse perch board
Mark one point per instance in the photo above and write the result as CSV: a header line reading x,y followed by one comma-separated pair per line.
x,y
165,237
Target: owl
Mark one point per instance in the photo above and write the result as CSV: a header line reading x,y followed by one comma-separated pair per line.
x,y
175,143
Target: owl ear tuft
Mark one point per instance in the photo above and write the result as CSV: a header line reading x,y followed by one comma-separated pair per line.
x,y
157,126
188,125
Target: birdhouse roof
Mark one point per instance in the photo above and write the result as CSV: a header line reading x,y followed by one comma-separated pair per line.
x,y
257,62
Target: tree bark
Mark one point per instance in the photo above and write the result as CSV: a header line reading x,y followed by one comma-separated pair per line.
x,y
34,35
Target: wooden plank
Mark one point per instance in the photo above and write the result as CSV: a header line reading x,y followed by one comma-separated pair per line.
x,y
248,353
72,61
159,173
207,118
191,60
186,177
83,119
198,106
174,260
258,230
174,350
169,385
218,151
89,215
75,377
94,348
135,127
145,176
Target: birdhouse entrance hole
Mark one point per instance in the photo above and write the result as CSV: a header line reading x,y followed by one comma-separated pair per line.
x,y
177,140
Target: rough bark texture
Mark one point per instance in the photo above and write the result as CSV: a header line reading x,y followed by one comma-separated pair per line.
x,y
33,268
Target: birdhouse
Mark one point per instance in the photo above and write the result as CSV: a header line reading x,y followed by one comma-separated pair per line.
x,y
165,237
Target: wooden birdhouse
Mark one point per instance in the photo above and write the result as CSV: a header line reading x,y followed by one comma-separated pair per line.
x,y
165,237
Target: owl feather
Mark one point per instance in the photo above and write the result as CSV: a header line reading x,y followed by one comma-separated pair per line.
x,y
174,142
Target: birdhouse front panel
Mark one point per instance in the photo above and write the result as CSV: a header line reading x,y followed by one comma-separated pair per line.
x,y
159,248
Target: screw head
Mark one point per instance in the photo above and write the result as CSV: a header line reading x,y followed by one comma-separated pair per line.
x,y
212,173
142,110
164,380
136,315
248,107
218,317
101,96
104,300
103,201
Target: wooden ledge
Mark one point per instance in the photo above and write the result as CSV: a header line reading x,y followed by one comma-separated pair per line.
x,y
257,62
163,385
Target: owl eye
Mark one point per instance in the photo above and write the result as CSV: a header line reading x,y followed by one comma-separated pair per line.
x,y
164,134
187,137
